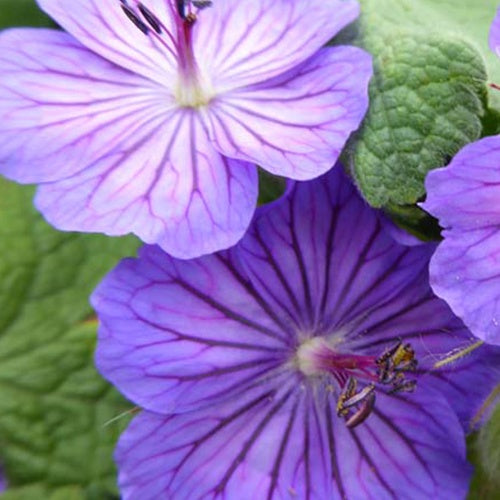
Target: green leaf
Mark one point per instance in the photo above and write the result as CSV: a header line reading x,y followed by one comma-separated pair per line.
x,y
484,453
472,20
427,99
54,407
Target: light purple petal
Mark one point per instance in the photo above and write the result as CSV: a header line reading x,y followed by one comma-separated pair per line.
x,y
166,184
62,107
102,27
494,38
283,445
466,193
177,335
465,270
305,259
297,124
246,42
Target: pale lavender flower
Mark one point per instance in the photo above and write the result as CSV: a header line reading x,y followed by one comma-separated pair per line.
x,y
311,361
465,197
150,117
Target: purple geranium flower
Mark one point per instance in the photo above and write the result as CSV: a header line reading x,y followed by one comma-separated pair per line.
x,y
312,360
465,196
149,117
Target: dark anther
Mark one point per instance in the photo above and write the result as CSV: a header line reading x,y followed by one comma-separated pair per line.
x,y
202,4
355,406
394,363
134,18
363,412
181,9
150,18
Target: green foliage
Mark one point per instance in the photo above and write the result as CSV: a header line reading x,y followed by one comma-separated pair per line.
x,y
40,492
22,13
427,98
53,405
271,187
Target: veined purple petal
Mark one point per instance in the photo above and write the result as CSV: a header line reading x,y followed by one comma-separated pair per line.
x,y
305,259
494,38
465,270
177,335
447,353
251,41
296,124
410,447
283,445
166,184
102,26
63,107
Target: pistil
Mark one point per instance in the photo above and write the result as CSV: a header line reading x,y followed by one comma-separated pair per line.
x,y
191,89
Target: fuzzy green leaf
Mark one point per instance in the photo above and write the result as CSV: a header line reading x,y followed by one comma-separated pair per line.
x,y
428,97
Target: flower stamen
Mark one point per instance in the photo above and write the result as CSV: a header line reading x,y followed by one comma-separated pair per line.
x,y
363,401
316,358
132,16
151,19
392,365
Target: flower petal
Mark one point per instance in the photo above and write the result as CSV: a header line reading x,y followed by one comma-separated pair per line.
x,y
166,184
177,335
281,445
297,124
102,26
466,193
306,260
62,107
408,448
494,38
465,270
242,43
